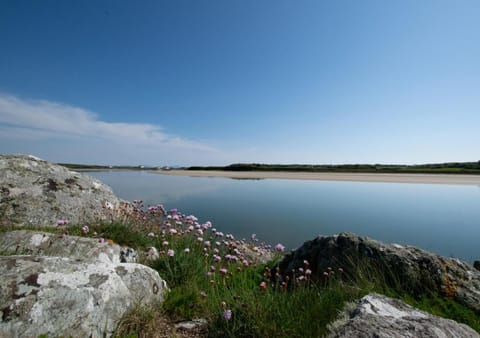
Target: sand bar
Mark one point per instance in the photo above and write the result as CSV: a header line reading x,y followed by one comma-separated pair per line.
x,y
325,176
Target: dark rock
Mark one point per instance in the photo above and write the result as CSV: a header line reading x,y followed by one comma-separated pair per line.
x,y
401,267
476,265
382,317
36,192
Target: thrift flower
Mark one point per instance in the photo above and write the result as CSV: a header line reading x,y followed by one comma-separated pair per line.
x,y
279,247
223,271
170,253
85,229
227,314
187,250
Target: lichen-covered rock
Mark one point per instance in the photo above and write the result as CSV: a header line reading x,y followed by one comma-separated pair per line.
x,y
60,296
25,242
36,192
382,317
69,286
405,267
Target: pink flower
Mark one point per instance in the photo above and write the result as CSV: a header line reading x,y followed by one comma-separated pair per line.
x,y
223,271
263,285
170,253
85,229
62,222
207,244
165,243
308,272
279,247
227,314
173,231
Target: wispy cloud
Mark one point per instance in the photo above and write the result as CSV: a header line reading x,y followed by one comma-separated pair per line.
x,y
37,120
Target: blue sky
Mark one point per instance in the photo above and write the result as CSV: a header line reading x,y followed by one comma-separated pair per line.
x,y
216,82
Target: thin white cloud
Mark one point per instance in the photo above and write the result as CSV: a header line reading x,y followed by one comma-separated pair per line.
x,y
23,121
44,118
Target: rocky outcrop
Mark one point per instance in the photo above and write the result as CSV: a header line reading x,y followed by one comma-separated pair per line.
x,y
382,317
36,192
69,286
402,267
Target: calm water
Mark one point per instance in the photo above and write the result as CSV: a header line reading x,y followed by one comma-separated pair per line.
x,y
439,218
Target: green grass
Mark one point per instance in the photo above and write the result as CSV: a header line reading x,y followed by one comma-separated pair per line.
x,y
303,309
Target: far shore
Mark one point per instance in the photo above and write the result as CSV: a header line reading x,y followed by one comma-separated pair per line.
x,y
327,176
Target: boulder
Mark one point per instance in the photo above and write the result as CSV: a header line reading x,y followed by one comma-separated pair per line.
x,y
69,286
382,317
36,192
38,243
476,265
402,267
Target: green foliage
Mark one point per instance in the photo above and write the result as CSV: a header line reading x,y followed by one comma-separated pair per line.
x,y
446,168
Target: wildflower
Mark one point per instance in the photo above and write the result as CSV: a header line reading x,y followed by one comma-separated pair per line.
x,y
340,270
207,244
215,251
245,262
208,274
253,237
308,272
170,253
325,274
263,285
227,314
173,231
62,222
217,259
279,247
212,267
190,228
223,304
223,271
85,229
200,239
306,263
187,250
165,243
101,241
203,294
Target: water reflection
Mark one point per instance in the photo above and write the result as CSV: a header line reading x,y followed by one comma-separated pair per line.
x,y
439,218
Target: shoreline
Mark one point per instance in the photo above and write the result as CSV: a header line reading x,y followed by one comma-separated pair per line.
x,y
330,176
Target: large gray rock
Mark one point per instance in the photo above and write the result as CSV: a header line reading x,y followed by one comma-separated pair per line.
x,y
382,317
403,267
36,192
66,293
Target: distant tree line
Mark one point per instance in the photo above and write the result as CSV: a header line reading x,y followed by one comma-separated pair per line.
x,y
443,168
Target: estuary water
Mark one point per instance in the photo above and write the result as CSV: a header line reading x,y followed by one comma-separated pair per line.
x,y
440,218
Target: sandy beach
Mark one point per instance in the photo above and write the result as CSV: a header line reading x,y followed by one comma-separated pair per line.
x,y
352,177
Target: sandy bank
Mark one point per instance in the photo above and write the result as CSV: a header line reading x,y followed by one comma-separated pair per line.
x,y
355,177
